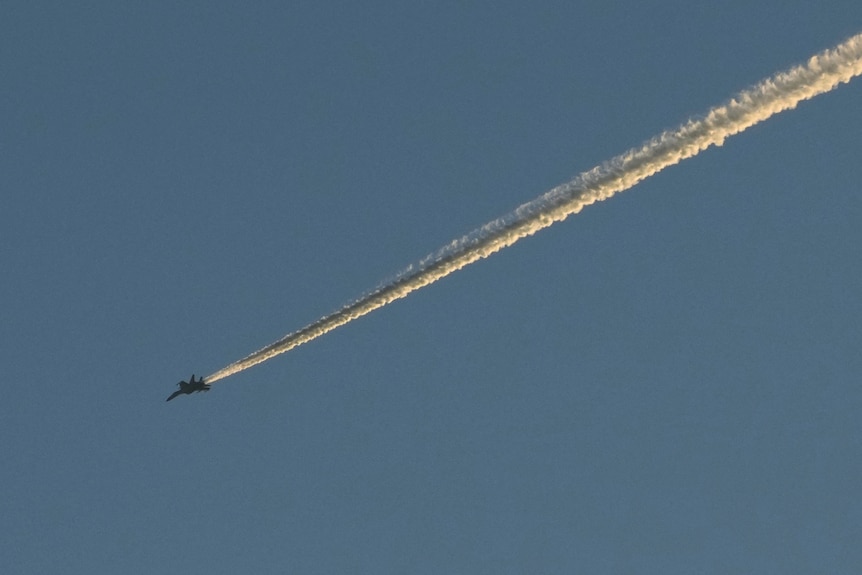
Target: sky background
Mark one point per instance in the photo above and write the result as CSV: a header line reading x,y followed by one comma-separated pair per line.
x,y
667,382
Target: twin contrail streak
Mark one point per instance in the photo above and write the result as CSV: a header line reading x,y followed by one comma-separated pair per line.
x,y
782,91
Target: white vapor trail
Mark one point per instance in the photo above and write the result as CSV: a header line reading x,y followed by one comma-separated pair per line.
x,y
783,91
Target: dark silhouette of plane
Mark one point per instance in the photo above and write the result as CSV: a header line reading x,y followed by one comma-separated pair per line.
x,y
190,387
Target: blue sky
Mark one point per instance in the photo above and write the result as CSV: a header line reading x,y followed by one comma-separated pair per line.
x,y
664,383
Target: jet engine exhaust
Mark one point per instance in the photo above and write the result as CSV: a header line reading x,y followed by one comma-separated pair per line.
x,y
783,91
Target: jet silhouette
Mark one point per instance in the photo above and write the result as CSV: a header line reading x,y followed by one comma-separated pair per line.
x,y
190,387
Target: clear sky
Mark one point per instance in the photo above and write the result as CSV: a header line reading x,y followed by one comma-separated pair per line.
x,y
667,382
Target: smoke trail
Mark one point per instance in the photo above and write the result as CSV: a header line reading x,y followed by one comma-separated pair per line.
x,y
783,91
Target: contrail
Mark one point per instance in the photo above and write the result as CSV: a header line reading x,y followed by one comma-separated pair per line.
x,y
783,91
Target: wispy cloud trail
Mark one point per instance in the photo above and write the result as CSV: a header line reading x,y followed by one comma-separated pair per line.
x,y
783,91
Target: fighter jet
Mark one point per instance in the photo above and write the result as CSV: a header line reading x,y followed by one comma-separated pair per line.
x,y
190,387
